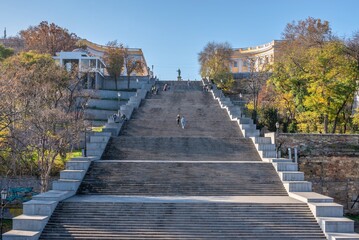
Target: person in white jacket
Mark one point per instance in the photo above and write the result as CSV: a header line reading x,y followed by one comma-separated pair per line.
x,y
183,122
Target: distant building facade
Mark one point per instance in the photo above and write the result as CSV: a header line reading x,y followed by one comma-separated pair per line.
x,y
89,59
90,68
99,51
253,59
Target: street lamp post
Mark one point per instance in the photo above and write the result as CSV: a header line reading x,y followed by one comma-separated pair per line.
x,y
119,100
276,136
85,140
4,194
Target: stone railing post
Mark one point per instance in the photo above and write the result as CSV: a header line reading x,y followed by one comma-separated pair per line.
x,y
295,155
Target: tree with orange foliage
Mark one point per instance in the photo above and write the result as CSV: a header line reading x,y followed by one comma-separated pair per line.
x,y
48,38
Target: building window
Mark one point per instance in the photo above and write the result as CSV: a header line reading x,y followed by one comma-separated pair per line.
x,y
235,64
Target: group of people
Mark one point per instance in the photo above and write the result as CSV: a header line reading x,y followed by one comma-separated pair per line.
x,y
154,90
181,120
206,88
116,118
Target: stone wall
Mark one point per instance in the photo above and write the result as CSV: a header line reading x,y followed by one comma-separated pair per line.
x,y
330,162
110,84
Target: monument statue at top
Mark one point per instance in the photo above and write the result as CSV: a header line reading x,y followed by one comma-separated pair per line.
x,y
179,78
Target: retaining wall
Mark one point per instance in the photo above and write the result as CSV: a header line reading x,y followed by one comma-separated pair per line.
x,y
330,162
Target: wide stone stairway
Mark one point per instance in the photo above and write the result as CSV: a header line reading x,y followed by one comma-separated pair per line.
x,y
159,181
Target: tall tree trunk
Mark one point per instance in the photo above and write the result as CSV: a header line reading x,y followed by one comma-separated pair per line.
x,y
326,123
116,82
337,115
128,81
44,182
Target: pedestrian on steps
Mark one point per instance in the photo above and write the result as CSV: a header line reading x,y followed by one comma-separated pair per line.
x,y
178,119
183,122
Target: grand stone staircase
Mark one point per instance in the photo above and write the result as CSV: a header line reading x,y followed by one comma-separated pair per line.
x,y
159,181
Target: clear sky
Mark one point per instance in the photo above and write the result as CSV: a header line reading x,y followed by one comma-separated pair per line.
x,y
171,33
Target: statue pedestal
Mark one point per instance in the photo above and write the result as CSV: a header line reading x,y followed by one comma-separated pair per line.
x,y
179,78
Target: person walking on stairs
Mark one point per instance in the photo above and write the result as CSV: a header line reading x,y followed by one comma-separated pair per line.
x,y
183,122
178,119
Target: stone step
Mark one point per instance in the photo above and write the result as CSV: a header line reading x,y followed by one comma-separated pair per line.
x,y
183,148
97,139
103,134
248,126
285,166
247,133
21,235
53,195
244,120
326,209
342,236
267,153
37,207
72,174
234,110
29,223
265,147
95,146
95,153
261,140
291,176
199,220
277,160
310,197
336,224
66,185
77,165
182,178
297,186
85,158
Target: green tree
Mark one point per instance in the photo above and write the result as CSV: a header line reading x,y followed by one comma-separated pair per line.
x,y
41,112
268,117
215,61
5,52
332,83
313,77
114,58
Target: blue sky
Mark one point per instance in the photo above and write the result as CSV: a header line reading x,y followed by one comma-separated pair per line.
x,y
172,33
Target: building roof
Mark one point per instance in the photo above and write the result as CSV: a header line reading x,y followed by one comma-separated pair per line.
x,y
256,49
103,48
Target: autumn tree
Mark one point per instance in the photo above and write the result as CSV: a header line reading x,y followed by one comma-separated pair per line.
x,y
215,61
132,64
41,113
314,76
48,38
114,58
308,33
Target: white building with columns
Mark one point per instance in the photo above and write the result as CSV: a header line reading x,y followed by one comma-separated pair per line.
x,y
91,68
253,59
